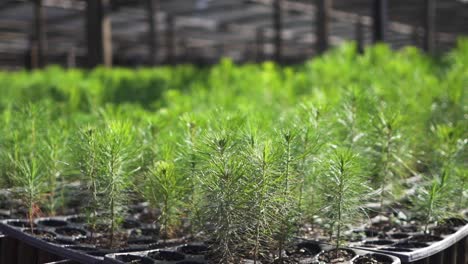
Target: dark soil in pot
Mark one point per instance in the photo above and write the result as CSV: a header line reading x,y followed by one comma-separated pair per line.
x,y
147,232
399,236
166,255
102,240
394,249
455,222
381,242
130,224
71,232
373,259
132,259
77,219
425,238
52,223
340,255
193,249
21,223
42,234
442,230
409,244
308,249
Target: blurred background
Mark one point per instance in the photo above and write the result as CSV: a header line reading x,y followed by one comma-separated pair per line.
x,y
86,33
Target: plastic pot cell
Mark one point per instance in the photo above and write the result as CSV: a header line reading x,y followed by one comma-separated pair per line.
x,y
446,245
67,237
42,246
196,254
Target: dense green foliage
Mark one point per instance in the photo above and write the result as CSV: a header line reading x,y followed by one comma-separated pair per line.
x,y
250,149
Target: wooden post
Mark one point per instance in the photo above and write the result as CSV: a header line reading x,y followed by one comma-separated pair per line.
x,y
380,14
429,25
152,12
415,36
98,30
39,47
260,44
71,58
359,34
170,39
323,24
277,4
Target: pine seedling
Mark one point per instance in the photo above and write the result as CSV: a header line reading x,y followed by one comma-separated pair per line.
x,y
449,150
108,157
388,154
350,118
164,190
30,180
88,164
26,156
55,143
311,137
222,179
188,163
431,200
289,184
117,155
343,190
262,160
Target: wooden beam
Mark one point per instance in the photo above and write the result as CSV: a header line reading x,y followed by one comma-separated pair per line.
x,y
71,58
277,17
170,39
260,44
360,35
380,18
152,12
323,24
38,53
98,27
429,25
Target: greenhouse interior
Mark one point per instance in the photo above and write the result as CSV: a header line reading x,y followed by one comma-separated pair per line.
x,y
234,131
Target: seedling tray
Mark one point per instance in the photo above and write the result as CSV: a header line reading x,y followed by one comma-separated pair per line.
x,y
179,257
66,246
451,248
15,232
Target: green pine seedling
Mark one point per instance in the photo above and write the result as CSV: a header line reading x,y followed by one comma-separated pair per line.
x,y
108,160
449,150
343,190
431,201
55,145
311,138
388,155
117,155
27,159
289,183
87,161
188,165
262,160
164,190
222,181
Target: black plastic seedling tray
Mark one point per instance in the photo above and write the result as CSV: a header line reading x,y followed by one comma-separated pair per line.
x,y
450,249
64,246
179,255
32,248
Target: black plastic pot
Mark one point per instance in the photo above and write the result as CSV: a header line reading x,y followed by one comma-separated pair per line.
x,y
446,249
25,248
63,236
195,254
